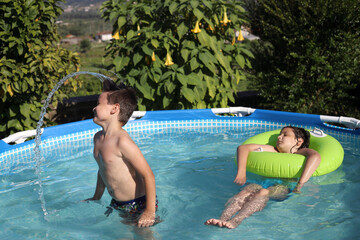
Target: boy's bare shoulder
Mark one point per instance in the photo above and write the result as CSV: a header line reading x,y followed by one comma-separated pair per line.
x,y
127,146
124,139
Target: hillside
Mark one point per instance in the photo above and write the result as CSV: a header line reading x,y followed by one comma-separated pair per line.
x,y
81,5
82,18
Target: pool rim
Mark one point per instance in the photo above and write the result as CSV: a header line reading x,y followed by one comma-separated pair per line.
x,y
169,118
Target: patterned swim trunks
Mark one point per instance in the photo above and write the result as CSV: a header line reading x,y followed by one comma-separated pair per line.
x,y
136,206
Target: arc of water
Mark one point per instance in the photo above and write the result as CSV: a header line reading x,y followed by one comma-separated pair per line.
x,y
101,77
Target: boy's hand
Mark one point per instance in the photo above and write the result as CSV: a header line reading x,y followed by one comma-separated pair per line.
x,y
88,199
147,219
240,180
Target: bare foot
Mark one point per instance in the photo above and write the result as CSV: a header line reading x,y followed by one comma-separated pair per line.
x,y
212,221
220,223
228,225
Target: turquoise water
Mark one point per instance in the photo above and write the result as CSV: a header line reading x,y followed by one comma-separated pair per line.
x,y
194,171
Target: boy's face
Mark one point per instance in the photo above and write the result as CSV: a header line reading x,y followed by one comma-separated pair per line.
x,y
102,110
287,142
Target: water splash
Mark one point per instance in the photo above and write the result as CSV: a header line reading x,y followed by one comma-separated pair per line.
x,y
38,158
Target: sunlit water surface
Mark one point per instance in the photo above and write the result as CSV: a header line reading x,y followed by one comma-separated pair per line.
x,y
194,172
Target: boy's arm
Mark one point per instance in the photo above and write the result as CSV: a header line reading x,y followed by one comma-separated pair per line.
x,y
242,156
100,188
133,154
313,160
148,216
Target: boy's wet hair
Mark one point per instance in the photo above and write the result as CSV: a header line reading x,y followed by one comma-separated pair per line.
x,y
124,95
301,133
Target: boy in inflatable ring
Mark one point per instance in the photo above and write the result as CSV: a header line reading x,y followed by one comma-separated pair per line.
x,y
253,197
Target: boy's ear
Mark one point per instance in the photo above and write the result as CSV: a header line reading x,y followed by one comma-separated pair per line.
x,y
116,108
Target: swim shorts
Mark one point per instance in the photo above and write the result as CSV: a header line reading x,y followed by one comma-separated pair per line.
x,y
279,185
135,206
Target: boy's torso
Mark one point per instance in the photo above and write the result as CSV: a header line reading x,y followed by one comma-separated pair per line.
x,y
117,173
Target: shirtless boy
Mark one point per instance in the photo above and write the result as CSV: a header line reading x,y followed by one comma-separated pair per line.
x,y
254,197
123,169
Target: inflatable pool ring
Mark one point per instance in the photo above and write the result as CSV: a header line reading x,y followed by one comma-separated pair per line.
x,y
287,165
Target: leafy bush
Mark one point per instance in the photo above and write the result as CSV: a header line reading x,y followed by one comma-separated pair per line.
x,y
85,45
30,61
178,53
308,57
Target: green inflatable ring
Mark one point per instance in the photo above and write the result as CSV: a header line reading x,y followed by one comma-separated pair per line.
x,y
286,165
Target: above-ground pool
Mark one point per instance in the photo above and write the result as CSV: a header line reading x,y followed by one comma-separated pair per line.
x,y
191,153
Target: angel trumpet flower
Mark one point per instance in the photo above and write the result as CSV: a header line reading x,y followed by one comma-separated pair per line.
x,y
116,36
240,37
225,20
10,91
210,28
138,28
168,61
153,57
197,28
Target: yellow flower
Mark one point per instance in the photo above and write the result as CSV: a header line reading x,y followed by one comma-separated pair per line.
x,y
210,28
168,61
240,37
153,57
116,36
196,29
225,20
10,91
233,41
138,28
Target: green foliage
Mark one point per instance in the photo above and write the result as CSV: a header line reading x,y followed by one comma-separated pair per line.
x,y
85,45
91,61
308,59
159,50
30,61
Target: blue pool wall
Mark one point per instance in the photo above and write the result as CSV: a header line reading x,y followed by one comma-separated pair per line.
x,y
13,157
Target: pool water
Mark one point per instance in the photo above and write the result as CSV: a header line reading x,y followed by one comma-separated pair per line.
x,y
194,170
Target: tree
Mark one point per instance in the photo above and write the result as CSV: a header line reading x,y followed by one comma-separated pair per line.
x,y
85,45
31,63
178,53
308,57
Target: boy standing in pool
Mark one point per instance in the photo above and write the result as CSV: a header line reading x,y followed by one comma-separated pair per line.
x,y
254,197
123,169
